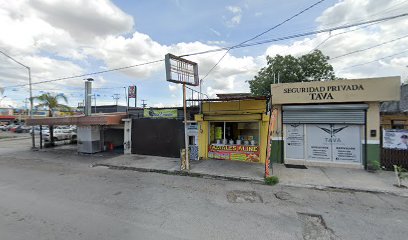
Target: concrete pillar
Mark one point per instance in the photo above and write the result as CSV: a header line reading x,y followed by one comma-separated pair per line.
x,y
127,137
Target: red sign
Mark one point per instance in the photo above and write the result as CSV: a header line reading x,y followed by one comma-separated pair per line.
x,y
132,92
234,152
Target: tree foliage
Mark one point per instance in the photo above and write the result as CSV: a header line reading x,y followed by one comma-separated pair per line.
x,y
313,66
52,103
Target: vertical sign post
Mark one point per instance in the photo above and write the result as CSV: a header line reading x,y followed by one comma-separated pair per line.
x,y
132,93
187,164
268,154
182,71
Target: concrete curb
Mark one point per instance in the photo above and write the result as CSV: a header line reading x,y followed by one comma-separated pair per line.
x,y
13,139
244,179
180,173
344,188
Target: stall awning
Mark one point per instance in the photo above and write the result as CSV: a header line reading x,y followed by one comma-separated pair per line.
x,y
241,117
97,119
7,117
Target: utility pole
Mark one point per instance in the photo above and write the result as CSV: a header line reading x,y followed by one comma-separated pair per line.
x,y
116,98
31,93
25,103
143,104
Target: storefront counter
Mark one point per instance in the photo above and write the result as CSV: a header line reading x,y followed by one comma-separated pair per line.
x,y
245,153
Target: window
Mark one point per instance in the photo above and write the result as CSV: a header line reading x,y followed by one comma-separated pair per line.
x,y
397,124
234,133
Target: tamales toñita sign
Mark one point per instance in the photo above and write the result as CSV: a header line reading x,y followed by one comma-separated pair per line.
x,y
374,89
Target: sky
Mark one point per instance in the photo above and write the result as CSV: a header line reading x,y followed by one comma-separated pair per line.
x,y
64,38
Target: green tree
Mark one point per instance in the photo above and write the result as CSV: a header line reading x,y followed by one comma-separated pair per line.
x,y
52,103
313,66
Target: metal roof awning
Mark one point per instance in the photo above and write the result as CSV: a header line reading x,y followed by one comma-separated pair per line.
x,y
97,119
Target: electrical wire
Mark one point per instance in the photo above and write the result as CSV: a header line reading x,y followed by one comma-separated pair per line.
x,y
378,59
320,44
365,49
233,47
366,24
89,74
260,34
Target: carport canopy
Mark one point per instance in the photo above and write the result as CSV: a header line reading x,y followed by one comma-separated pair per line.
x,y
97,119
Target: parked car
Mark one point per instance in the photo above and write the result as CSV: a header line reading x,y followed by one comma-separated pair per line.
x,y
13,128
61,134
37,130
22,129
3,127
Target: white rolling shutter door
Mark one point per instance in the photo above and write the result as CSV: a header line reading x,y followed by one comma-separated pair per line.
x,y
328,113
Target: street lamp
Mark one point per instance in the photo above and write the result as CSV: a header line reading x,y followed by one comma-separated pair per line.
x,y
31,92
1,99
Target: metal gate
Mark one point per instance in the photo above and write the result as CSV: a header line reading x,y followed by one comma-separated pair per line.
x,y
157,137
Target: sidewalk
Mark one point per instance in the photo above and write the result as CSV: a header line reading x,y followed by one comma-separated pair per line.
x,y
339,178
228,170
312,177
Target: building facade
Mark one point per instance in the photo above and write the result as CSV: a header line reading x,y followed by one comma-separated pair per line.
x,y
330,123
233,129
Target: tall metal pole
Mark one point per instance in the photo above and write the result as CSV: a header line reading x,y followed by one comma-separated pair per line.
x,y
31,105
135,96
127,100
185,128
31,90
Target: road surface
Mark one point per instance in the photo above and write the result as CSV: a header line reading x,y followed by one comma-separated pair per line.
x,y
57,195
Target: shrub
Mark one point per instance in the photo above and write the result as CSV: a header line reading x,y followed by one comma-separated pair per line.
x,y
272,180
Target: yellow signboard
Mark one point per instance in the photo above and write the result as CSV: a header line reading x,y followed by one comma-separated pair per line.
x,y
358,90
160,113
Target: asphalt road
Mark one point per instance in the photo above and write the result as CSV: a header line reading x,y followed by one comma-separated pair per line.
x,y
56,195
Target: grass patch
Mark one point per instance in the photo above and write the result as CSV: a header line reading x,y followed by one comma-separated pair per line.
x,y
272,180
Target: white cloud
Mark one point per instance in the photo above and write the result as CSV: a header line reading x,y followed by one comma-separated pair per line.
x,y
235,19
217,33
61,38
84,19
234,9
351,11
174,87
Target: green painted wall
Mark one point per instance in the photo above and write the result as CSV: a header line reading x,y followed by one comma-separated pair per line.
x,y
276,151
373,155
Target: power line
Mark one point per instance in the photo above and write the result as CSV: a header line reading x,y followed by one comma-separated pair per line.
x,y
233,47
378,59
89,74
321,43
260,34
368,23
365,49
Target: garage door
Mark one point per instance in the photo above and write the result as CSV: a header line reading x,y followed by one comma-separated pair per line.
x,y
324,133
327,113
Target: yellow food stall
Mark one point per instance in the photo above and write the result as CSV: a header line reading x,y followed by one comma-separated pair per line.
x,y
233,129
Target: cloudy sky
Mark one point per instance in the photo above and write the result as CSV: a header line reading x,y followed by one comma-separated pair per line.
x,y
62,38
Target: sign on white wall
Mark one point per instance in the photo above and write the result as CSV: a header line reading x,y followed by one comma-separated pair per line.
x,y
334,142
318,142
395,139
346,143
295,141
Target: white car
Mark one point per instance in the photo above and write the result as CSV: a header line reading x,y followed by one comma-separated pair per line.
x,y
37,130
61,134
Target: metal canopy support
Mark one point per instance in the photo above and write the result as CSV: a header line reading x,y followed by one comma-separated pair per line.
x,y
185,128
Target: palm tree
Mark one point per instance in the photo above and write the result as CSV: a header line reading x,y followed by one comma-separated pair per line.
x,y
51,101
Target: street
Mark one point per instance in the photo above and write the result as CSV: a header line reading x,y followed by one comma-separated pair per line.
x,y
57,195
